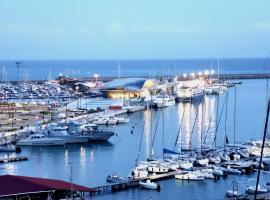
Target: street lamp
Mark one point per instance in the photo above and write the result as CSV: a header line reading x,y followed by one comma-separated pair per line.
x,y
185,75
212,72
96,77
206,72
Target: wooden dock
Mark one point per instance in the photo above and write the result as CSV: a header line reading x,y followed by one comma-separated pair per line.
x,y
13,159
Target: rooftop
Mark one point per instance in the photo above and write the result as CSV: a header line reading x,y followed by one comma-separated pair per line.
x,y
15,185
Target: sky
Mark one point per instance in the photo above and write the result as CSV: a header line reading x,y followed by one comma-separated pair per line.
x,y
140,29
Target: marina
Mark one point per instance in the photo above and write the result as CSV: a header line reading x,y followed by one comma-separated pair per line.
x,y
186,158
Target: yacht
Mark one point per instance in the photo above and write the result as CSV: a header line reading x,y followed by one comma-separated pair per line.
x,y
187,94
56,131
140,172
190,176
162,100
95,134
40,140
105,120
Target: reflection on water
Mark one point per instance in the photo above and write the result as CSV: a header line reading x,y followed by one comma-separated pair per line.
x,y
82,156
92,155
195,125
147,131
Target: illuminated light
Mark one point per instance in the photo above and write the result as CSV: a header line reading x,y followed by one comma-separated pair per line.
x,y
185,75
192,74
212,71
199,73
206,72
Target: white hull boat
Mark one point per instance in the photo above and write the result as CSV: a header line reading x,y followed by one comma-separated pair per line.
x,y
190,176
149,185
40,140
161,101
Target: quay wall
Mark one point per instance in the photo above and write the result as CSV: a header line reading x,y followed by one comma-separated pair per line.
x,y
221,77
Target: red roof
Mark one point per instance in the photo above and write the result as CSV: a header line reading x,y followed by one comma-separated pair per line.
x,y
14,185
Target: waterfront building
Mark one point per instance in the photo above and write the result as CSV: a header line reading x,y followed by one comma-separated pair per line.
x,y
128,88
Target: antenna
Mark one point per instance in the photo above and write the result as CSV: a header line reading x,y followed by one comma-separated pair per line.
x,y
118,69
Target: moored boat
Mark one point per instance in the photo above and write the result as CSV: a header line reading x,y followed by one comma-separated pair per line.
x,y
149,185
40,140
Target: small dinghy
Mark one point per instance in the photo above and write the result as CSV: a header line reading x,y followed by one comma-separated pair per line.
x,y
149,185
113,178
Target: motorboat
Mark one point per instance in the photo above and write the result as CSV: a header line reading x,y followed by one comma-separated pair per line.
x,y
121,120
113,178
251,188
163,100
190,176
95,134
40,140
187,94
105,120
230,170
139,172
56,131
148,184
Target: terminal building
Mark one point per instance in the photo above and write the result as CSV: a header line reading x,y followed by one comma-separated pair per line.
x,y
128,88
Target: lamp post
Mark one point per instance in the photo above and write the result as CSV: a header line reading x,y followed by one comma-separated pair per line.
x,y
96,77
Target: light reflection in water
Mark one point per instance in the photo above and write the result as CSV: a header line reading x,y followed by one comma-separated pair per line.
x,y
82,156
147,131
10,168
66,160
92,155
206,119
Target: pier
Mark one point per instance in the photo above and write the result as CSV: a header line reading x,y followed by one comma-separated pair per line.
x,y
132,183
215,76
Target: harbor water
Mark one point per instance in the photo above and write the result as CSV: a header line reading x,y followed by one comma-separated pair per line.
x,y
51,69
91,163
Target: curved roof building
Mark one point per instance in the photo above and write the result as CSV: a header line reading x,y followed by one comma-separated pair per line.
x,y
126,88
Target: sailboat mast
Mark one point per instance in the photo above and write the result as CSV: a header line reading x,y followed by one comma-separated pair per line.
x,y
234,116
163,125
202,124
226,120
262,148
151,130
118,69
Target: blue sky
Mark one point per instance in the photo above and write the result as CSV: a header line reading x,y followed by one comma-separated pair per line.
x,y
141,29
